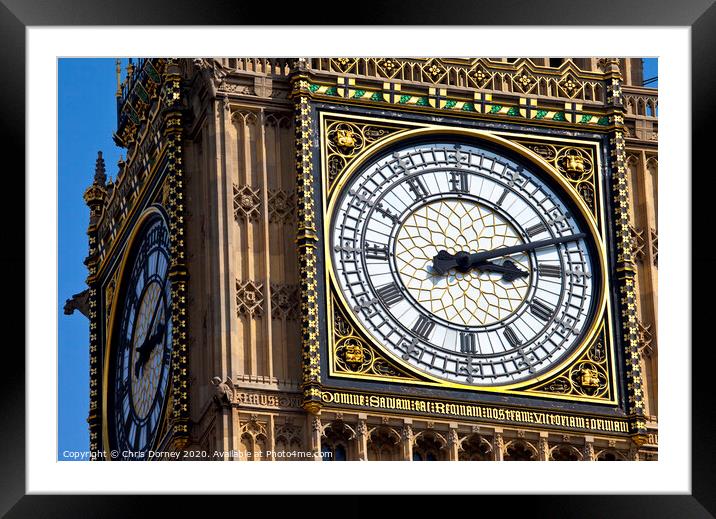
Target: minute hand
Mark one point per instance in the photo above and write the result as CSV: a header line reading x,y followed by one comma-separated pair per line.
x,y
444,261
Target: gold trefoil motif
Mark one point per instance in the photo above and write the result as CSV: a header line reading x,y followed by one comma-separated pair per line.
x,y
473,298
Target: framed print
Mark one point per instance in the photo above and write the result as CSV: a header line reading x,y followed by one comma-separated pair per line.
x,y
344,256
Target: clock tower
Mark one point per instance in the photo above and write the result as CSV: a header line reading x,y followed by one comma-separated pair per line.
x,y
377,259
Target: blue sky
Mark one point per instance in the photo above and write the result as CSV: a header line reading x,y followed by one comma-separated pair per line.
x,y
86,119
651,70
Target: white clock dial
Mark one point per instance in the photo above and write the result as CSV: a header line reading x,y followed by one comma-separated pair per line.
x,y
501,321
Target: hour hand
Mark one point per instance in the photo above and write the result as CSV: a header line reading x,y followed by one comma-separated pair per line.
x,y
444,261
147,347
509,270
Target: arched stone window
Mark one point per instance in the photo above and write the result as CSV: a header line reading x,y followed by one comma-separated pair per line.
x,y
475,448
254,440
289,440
429,446
610,455
519,450
565,452
384,444
336,441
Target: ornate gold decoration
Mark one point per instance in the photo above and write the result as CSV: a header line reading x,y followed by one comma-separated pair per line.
x,y
523,82
344,64
508,78
306,240
345,140
576,164
178,423
588,376
571,87
479,76
435,70
625,267
353,354
389,67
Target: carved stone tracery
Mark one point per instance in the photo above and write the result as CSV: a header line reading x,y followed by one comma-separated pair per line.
x,y
281,206
249,298
246,203
285,301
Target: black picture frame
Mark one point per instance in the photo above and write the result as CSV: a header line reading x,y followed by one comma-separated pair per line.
x,y
699,15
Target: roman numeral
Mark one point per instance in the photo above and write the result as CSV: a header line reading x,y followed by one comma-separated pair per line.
x,y
579,273
549,271
527,362
390,294
423,327
535,229
541,310
514,176
458,182
502,197
560,219
409,347
376,251
362,197
365,304
471,370
467,343
567,324
511,337
417,187
348,249
402,164
386,213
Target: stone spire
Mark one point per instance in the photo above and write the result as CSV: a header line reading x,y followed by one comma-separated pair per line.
x,y
100,176
96,194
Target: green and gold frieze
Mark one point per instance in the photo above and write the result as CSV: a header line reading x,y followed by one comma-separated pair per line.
x,y
460,102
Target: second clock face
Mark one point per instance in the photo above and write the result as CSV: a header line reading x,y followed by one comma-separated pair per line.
x,y
142,359
482,316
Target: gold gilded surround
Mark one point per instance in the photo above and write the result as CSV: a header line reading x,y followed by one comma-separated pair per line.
x,y
588,374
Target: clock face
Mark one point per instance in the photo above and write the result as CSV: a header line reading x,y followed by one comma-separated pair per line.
x,y
515,283
142,354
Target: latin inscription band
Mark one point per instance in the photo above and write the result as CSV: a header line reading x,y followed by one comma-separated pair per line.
x,y
389,403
